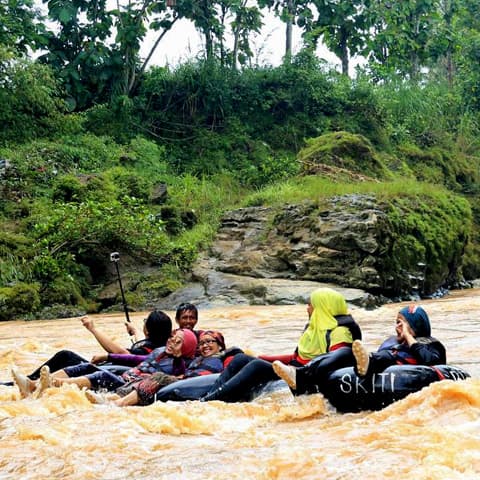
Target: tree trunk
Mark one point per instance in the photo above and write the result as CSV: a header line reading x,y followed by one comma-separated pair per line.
x,y
450,68
344,54
414,58
209,44
289,30
134,81
236,35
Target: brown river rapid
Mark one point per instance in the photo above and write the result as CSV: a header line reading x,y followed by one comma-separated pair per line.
x,y
432,434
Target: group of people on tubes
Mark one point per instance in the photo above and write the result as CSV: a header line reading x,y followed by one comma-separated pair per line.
x,y
330,340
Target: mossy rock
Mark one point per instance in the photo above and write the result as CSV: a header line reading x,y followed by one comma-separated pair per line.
x,y
471,258
438,165
160,283
342,150
135,300
427,237
159,289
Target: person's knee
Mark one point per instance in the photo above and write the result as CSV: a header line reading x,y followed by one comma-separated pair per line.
x,y
239,361
63,354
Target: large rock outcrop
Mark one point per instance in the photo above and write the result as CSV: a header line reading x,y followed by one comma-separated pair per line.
x,y
367,247
337,243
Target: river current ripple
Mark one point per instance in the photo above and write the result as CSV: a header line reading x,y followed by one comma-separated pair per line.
x,y
432,434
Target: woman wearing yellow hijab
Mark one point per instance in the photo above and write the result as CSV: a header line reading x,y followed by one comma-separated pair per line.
x,y
324,346
323,332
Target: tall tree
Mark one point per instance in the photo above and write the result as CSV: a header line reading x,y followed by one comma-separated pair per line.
x,y
247,19
341,25
240,20
289,11
446,37
467,51
400,36
20,25
93,67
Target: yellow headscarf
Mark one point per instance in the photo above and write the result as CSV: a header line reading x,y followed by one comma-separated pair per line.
x,y
326,304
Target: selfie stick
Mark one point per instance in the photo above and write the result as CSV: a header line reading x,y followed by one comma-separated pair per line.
x,y
115,258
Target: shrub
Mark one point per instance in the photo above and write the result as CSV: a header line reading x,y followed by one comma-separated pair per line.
x,y
129,183
62,290
68,188
18,300
343,150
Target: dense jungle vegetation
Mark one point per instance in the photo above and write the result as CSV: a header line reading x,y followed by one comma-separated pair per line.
x,y
102,152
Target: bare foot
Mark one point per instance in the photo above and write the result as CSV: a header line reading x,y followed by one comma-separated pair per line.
x,y
99,399
44,381
24,384
94,397
361,356
286,372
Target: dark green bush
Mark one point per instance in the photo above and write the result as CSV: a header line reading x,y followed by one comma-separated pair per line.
x,y
63,290
19,300
68,188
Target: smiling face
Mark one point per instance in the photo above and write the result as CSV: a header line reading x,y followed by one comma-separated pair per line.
x,y
208,346
187,319
174,344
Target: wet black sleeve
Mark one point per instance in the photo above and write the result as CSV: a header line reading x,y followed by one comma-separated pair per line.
x,y
431,353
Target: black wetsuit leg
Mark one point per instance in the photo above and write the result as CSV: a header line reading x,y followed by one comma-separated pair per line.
x,y
237,363
313,375
240,378
62,359
379,361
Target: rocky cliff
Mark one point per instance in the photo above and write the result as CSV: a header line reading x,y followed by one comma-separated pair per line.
x,y
279,254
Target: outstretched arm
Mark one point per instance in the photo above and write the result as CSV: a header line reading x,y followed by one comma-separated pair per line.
x,y
132,331
106,342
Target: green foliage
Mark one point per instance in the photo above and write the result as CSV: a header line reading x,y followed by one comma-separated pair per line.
x,y
36,165
397,36
341,25
215,120
63,290
129,184
343,150
424,115
30,103
20,25
147,157
79,227
15,253
438,165
429,229
18,300
68,188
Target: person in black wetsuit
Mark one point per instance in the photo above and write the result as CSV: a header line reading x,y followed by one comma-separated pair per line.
x,y
157,328
328,336
412,345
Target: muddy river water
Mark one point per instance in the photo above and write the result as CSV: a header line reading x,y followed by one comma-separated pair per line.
x,y
432,434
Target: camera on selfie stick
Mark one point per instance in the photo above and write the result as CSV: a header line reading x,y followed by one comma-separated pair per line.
x,y
115,258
